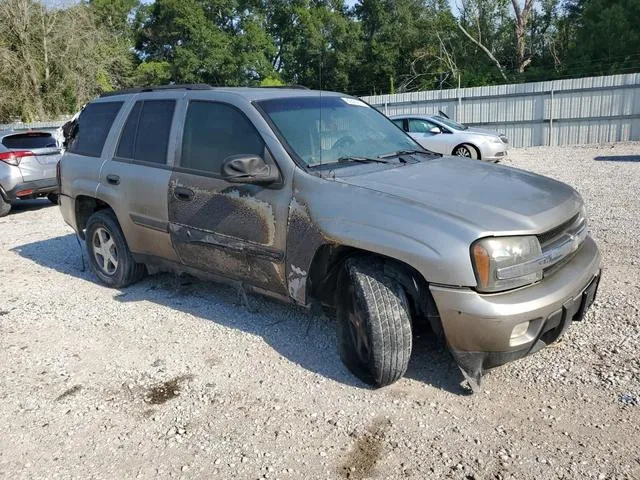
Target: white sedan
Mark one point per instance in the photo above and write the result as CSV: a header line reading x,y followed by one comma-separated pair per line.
x,y
442,135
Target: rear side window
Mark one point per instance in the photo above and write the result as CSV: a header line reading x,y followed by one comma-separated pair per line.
x,y
92,128
145,136
213,132
30,141
399,122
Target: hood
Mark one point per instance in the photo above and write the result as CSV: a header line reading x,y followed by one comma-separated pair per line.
x,y
490,199
481,131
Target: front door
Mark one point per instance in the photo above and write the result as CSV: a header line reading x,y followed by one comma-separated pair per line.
x,y
230,229
422,131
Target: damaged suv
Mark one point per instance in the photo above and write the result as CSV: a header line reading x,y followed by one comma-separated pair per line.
x,y
316,198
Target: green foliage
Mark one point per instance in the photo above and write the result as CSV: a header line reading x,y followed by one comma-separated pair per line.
x,y
271,82
152,73
114,14
52,60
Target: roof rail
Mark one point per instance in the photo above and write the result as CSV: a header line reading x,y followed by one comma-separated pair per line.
x,y
193,86
294,87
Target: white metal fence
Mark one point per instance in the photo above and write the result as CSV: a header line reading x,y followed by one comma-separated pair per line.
x,y
35,125
559,112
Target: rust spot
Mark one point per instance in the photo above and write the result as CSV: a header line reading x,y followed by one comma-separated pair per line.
x,y
234,212
69,393
267,274
363,457
303,240
297,281
165,391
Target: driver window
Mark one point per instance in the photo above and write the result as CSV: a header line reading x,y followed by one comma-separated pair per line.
x,y
213,132
421,126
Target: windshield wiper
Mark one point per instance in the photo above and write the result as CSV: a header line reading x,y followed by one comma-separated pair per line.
x,y
352,159
407,152
362,159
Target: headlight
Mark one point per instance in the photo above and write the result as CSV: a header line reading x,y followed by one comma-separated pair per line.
x,y
503,263
496,140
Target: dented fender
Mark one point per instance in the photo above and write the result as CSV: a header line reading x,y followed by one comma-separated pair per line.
x,y
327,212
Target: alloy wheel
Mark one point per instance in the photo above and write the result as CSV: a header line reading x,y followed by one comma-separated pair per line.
x,y
105,251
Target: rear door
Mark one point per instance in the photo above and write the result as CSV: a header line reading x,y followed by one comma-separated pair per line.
x,y
135,178
46,154
231,229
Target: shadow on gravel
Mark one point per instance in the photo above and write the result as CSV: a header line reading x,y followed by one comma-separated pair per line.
x,y
294,332
618,158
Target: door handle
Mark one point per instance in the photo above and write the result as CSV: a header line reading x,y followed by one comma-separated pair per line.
x,y
183,194
113,179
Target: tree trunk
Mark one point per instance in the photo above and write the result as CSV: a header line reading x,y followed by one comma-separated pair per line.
x,y
522,19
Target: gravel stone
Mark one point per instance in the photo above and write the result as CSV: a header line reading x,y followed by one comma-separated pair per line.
x,y
172,378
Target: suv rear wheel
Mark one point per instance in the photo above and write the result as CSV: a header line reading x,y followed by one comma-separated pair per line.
x,y
108,252
374,323
5,207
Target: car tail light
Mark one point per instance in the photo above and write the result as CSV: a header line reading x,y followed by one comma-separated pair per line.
x,y
14,158
24,193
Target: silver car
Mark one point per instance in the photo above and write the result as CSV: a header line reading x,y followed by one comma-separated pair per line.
x,y
28,161
315,198
443,135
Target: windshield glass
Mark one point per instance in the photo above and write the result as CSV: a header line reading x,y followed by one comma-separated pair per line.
x,y
343,127
450,123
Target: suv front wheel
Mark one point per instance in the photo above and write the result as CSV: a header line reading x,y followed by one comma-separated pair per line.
x,y
374,322
108,252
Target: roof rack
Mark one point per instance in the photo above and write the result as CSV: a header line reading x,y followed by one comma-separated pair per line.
x,y
193,86
294,87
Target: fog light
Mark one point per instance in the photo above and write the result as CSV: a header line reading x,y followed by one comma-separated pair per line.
x,y
519,330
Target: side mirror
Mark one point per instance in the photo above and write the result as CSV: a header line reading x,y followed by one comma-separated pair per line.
x,y
248,169
435,130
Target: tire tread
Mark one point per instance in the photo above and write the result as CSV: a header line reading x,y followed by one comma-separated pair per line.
x,y
389,319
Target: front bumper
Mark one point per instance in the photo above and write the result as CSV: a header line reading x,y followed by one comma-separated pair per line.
x,y
478,327
493,152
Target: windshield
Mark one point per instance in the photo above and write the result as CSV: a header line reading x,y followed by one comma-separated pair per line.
x,y
343,127
451,124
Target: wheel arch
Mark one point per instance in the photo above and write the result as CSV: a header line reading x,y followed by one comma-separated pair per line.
x,y
467,144
85,206
329,260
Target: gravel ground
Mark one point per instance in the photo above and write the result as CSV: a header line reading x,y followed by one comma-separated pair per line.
x,y
172,378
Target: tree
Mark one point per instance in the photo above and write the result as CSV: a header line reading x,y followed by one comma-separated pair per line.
x,y
52,59
606,37
522,12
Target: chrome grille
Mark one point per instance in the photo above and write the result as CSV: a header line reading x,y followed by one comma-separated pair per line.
x,y
550,235
560,244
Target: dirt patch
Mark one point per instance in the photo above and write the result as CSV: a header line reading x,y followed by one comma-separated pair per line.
x,y
362,459
165,391
70,392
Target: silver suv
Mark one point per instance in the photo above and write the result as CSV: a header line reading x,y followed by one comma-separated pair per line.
x,y
28,161
315,198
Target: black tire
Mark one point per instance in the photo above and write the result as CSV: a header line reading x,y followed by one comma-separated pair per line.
x,y
53,198
380,303
5,207
466,151
124,271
